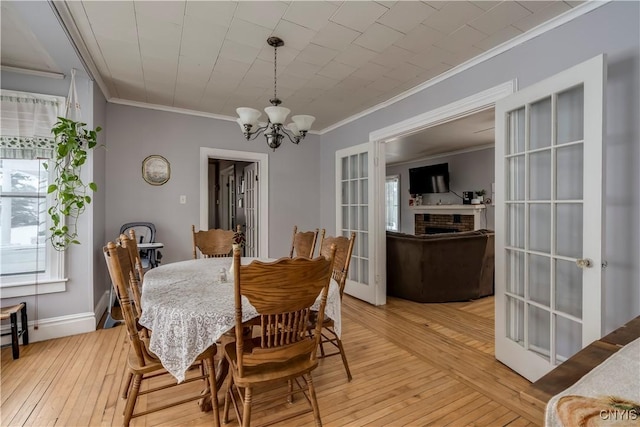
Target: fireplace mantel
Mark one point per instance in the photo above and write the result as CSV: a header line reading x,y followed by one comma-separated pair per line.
x,y
475,210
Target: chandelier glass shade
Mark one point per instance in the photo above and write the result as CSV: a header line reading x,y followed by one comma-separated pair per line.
x,y
274,130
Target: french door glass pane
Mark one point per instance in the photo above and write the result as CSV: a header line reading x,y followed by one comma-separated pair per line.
x,y
354,269
364,165
364,244
539,329
568,338
516,178
515,320
364,191
345,168
568,295
364,278
353,218
570,106
540,227
345,192
540,124
364,218
569,172
353,192
515,272
515,231
515,123
540,175
353,168
569,229
539,276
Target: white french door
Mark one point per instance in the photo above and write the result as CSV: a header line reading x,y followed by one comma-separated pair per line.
x,y
250,174
549,219
355,186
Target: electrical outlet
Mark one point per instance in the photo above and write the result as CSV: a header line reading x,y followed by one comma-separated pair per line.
x,y
183,199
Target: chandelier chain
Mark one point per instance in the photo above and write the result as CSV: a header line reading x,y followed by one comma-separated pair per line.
x,y
275,72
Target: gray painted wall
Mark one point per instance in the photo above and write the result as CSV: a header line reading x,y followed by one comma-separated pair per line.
x,y
99,158
135,133
468,172
612,29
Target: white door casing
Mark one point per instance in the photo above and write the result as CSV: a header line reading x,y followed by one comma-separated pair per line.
x,y
461,108
262,187
251,209
549,219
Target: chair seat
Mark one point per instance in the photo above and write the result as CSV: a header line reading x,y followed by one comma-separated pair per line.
x,y
5,312
11,313
265,372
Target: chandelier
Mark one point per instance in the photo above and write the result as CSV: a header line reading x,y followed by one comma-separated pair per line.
x,y
274,130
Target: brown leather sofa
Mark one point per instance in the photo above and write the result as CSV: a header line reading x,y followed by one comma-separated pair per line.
x,y
440,267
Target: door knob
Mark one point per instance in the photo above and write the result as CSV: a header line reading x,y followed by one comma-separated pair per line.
x,y
584,263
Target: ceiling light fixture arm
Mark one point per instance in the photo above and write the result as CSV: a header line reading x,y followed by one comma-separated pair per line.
x,y
275,130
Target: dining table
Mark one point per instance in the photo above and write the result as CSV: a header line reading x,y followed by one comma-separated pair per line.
x,y
190,305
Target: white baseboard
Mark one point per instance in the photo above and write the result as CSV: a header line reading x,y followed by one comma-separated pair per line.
x,y
58,327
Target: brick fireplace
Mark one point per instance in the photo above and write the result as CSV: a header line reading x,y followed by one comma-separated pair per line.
x,y
442,223
431,219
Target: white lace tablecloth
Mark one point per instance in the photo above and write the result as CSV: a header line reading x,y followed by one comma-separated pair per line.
x,y
188,309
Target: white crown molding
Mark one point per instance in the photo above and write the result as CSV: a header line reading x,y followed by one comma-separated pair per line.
x,y
524,37
31,72
169,109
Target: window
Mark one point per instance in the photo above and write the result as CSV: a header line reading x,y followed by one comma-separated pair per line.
x,y
392,200
28,262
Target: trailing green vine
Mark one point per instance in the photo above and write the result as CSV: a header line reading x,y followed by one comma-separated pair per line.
x,y
71,195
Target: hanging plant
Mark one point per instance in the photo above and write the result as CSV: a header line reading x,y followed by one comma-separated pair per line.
x,y
71,195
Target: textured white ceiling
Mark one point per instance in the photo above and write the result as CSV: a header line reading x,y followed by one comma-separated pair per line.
x,y
340,57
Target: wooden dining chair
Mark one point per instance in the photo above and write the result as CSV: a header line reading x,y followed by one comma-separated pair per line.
x,y
142,363
282,292
303,243
344,250
135,266
214,243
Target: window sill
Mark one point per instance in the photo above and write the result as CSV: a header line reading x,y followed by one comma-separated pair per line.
x,y
21,289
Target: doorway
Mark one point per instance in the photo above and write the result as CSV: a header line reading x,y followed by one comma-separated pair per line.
x,y
375,150
258,165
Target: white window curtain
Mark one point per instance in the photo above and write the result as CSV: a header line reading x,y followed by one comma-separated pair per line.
x,y
27,120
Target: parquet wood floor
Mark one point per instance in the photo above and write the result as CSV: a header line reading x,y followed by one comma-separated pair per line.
x,y
413,365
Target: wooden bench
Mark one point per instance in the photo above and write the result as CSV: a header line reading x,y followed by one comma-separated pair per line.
x,y
12,314
569,372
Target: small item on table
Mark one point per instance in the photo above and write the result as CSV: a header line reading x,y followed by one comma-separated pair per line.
x,y
222,275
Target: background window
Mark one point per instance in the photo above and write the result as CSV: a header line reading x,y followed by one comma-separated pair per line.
x,y
392,200
23,217
26,143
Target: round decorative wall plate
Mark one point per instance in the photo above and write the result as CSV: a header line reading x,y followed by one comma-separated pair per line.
x,y
156,170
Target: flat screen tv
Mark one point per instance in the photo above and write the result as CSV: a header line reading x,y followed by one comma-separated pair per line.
x,y
429,179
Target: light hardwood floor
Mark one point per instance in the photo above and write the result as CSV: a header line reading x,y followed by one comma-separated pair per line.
x,y
412,364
